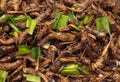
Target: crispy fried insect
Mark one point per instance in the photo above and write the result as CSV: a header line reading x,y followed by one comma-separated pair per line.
x,y
6,59
7,42
10,66
58,36
17,78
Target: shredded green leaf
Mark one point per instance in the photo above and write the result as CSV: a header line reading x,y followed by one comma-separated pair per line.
x,y
36,52
102,24
32,78
3,75
60,21
23,50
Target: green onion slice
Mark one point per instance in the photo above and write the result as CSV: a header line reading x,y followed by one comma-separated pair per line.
x,y
3,75
21,18
32,78
70,72
74,69
70,69
102,24
54,24
36,52
71,66
31,24
28,22
60,21
23,50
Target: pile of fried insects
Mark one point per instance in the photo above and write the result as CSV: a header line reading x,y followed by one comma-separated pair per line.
x,y
59,41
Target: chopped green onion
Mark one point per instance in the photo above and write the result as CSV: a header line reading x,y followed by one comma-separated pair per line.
x,y
105,24
23,50
84,70
71,66
70,69
60,21
3,75
74,69
28,22
32,27
20,18
98,22
31,24
70,72
12,25
102,24
85,19
36,52
36,55
32,78
4,18
54,24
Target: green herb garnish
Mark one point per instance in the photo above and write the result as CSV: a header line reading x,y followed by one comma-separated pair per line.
x,y
23,50
36,52
60,21
3,75
32,78
102,24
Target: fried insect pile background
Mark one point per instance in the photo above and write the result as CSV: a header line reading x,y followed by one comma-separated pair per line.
x,y
59,41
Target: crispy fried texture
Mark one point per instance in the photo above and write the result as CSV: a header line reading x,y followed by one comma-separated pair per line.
x,y
97,51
